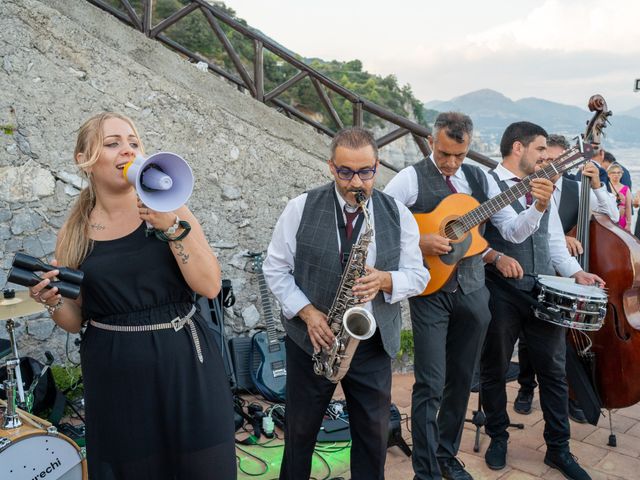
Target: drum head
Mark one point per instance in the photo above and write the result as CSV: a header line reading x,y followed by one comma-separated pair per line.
x,y
41,456
566,285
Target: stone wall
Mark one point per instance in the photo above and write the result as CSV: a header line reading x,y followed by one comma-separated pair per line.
x,y
62,61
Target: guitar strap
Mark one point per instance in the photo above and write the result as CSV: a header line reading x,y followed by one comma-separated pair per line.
x,y
476,189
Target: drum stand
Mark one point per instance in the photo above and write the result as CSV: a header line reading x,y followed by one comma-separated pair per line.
x,y
14,379
479,419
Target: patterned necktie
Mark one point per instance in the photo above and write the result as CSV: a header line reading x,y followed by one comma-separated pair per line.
x,y
450,184
351,216
528,197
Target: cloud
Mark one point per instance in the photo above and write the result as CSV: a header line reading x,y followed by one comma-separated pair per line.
x,y
568,26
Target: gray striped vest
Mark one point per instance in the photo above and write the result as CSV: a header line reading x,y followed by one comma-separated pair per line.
x,y
532,254
317,267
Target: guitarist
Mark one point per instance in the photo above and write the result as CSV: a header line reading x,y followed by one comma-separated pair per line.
x,y
523,145
449,325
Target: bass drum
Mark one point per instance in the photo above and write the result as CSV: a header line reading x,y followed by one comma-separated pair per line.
x,y
28,452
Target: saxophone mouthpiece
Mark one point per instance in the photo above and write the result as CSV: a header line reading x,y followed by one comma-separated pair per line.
x,y
360,196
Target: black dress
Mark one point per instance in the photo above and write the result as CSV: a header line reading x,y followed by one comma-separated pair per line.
x,y
153,410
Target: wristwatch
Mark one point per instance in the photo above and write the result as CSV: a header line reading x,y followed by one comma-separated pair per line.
x,y
173,228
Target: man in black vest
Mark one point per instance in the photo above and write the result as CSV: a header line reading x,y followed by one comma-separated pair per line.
x,y
308,251
449,325
523,144
566,196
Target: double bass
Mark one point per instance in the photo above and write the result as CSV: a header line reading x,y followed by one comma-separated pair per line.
x,y
611,354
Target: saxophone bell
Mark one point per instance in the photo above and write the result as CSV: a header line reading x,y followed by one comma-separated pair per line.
x,y
359,323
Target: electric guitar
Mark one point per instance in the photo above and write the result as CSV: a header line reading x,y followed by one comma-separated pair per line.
x,y
458,216
271,375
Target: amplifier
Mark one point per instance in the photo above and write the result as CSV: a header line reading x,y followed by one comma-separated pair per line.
x,y
240,350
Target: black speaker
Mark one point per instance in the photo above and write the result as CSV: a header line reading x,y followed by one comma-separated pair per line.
x,y
240,349
213,314
395,431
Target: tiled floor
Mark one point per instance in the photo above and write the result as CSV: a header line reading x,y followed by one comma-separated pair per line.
x,y
526,447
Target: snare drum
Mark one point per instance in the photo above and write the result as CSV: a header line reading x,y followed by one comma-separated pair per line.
x,y
28,452
569,304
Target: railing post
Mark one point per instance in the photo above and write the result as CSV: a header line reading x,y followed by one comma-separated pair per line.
x,y
147,17
358,119
258,69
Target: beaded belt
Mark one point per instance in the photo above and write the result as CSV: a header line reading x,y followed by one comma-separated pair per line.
x,y
177,324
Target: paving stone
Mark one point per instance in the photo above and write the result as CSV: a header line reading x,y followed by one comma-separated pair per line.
x,y
615,463
627,444
631,412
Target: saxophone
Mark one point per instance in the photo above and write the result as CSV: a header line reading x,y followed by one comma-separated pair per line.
x,y
348,322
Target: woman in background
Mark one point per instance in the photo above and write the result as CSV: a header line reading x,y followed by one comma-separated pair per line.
x,y
158,403
623,195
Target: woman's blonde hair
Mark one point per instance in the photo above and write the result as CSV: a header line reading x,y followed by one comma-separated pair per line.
x,y
615,166
74,243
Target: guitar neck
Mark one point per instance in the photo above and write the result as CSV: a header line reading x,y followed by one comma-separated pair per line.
x,y
487,209
267,311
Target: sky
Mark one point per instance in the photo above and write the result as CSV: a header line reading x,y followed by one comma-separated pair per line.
x,y
563,51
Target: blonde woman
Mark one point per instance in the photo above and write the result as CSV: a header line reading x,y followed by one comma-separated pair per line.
x,y
623,195
158,403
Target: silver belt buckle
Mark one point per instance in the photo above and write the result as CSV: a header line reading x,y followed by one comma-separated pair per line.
x,y
177,326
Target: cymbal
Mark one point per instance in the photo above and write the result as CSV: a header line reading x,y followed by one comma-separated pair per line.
x,y
19,306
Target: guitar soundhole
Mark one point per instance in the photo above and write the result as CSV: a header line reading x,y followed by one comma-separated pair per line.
x,y
454,230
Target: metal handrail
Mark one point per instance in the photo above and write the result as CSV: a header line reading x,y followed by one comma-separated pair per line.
x,y
255,85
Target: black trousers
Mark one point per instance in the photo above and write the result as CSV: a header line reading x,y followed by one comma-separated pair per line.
x,y
367,389
448,332
547,348
526,376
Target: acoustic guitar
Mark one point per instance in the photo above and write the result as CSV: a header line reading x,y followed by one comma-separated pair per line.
x,y
458,217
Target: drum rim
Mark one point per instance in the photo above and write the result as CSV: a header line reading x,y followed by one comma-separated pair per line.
x,y
40,433
568,323
601,295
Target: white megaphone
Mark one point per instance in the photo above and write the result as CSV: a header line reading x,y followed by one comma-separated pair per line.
x,y
163,181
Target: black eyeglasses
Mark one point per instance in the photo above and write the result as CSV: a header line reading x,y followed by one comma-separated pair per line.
x,y
347,174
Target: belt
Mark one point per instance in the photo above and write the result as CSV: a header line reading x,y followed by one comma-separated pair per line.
x,y
176,324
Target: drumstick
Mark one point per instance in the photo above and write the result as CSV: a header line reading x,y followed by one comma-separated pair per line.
x,y
31,419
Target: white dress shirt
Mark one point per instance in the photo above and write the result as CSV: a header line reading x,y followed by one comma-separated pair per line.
x,y
410,279
513,227
601,201
562,261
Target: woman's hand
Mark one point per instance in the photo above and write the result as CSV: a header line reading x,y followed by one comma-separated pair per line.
x,y
159,220
46,296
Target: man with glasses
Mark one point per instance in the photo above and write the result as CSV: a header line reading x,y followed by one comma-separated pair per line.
x,y
303,269
449,325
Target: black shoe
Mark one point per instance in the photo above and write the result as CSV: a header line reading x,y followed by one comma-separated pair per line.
x,y
522,403
453,469
575,413
496,454
566,464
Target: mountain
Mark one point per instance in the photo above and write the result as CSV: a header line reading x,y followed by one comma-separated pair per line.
x,y
634,112
492,112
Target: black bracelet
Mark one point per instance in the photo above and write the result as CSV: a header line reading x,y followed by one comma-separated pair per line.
x,y
160,235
